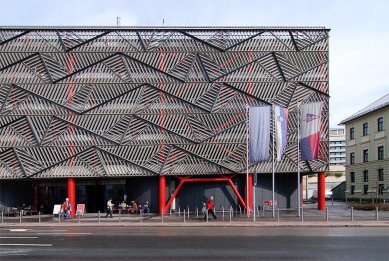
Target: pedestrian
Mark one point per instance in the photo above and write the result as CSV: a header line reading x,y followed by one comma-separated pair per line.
x,y
66,207
210,207
109,208
146,208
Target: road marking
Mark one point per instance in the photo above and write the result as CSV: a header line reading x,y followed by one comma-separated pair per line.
x,y
67,233
17,237
18,230
26,245
58,230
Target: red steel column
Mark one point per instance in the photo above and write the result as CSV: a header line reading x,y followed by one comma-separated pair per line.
x,y
250,191
162,193
72,195
321,186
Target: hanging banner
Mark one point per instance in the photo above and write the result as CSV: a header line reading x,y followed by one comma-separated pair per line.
x,y
259,133
281,129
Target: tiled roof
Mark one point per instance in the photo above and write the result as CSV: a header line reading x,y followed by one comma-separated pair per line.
x,y
378,104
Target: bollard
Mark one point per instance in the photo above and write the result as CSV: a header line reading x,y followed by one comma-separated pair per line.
x,y
376,213
98,216
248,212
384,201
184,215
179,211
257,211
39,217
20,216
170,211
59,217
79,217
188,212
332,201
302,213
278,214
2,217
352,214
206,214
119,214
140,215
230,214
197,212
223,212
162,216
360,201
327,214
240,211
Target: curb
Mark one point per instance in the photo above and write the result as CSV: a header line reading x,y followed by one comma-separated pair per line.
x,y
202,224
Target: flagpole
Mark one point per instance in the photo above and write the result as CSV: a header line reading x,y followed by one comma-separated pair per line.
x,y
298,158
272,177
247,155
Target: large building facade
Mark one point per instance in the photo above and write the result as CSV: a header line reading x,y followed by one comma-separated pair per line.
x,y
143,113
367,165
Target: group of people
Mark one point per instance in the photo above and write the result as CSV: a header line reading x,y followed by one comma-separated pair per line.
x,y
133,208
66,208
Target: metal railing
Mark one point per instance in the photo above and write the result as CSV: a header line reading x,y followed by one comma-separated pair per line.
x,y
225,214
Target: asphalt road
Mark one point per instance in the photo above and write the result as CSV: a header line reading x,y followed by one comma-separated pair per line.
x,y
194,243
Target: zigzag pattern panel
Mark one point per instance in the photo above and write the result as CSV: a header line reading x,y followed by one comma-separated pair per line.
x,y
120,102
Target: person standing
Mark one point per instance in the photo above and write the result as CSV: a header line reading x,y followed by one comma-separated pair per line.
x,y
109,208
210,207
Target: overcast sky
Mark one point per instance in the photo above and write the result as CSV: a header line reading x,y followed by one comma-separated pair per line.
x,y
359,37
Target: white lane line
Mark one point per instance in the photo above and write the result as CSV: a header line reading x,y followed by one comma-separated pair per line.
x,y
26,245
67,233
17,237
51,230
18,230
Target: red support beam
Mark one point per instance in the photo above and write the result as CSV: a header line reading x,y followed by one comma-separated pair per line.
x,y
250,190
72,195
200,180
175,193
237,193
162,193
321,186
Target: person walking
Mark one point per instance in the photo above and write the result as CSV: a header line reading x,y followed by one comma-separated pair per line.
x,y
109,208
210,207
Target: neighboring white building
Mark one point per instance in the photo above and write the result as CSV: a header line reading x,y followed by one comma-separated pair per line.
x,y
337,150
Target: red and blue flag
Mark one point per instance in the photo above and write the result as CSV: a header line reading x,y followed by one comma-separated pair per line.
x,y
310,117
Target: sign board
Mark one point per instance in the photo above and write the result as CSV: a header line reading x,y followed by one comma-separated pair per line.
x,y
80,209
56,209
268,204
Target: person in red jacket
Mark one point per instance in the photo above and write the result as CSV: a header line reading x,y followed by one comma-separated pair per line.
x,y
210,207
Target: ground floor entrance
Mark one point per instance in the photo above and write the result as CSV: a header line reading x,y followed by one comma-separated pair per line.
x,y
172,195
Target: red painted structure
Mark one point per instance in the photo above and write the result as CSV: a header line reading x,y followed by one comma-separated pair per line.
x,y
321,186
250,190
183,180
72,195
162,194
